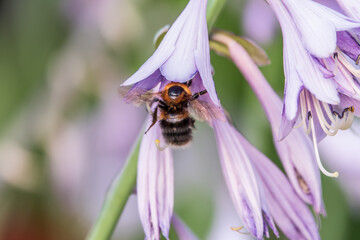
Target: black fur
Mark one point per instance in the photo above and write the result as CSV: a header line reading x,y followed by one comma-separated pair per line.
x,y
177,133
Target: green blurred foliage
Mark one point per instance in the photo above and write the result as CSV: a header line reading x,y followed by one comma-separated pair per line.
x,y
32,32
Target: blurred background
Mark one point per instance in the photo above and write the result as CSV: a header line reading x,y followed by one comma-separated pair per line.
x,y
65,133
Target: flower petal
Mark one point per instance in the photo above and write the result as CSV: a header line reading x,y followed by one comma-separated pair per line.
x,y
288,210
155,188
202,58
348,45
164,51
185,46
295,151
351,7
346,101
240,177
317,25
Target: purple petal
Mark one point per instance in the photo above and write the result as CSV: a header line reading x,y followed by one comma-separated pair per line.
x,y
348,44
300,67
164,51
295,151
240,178
317,25
202,57
286,125
155,185
259,29
346,101
351,7
185,45
289,212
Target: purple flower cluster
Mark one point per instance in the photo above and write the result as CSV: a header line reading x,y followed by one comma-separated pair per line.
x,y
321,54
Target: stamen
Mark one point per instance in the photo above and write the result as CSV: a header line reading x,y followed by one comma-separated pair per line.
x,y
323,123
349,78
357,60
304,113
321,167
354,71
157,143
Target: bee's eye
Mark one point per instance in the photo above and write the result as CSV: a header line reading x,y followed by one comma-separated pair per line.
x,y
175,91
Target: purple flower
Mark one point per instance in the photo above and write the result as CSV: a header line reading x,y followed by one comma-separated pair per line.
x,y
261,29
351,8
289,212
320,79
242,181
295,151
259,190
183,53
155,186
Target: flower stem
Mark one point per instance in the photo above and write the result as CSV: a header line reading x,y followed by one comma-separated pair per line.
x,y
116,198
213,10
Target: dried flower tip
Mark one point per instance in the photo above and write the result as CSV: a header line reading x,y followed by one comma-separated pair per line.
x,y
237,229
157,143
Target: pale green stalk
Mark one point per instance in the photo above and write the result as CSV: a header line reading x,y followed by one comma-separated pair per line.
x,y
116,198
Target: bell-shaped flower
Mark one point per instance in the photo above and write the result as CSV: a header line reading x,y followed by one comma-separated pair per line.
x,y
289,212
183,53
350,7
155,186
259,190
242,182
295,151
320,80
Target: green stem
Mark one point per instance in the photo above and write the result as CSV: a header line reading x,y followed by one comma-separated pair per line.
x,y
213,10
116,198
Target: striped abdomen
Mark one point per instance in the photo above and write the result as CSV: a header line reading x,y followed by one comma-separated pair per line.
x,y
177,133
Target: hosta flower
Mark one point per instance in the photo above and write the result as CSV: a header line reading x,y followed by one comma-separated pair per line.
x,y
242,181
295,151
183,53
259,190
321,83
351,8
155,186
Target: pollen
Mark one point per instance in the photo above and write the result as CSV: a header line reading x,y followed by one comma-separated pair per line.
x,y
160,148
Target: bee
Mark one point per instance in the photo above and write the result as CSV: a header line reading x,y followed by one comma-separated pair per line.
x,y
176,110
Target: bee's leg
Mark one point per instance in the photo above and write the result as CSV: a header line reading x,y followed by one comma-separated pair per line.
x,y
154,120
198,94
149,105
188,83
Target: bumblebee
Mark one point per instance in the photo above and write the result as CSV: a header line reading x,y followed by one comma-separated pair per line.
x,y
175,110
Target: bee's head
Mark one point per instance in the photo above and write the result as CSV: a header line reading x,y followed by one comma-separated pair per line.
x,y
176,91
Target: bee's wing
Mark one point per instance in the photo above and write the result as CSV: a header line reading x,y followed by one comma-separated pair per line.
x,y
204,111
136,96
